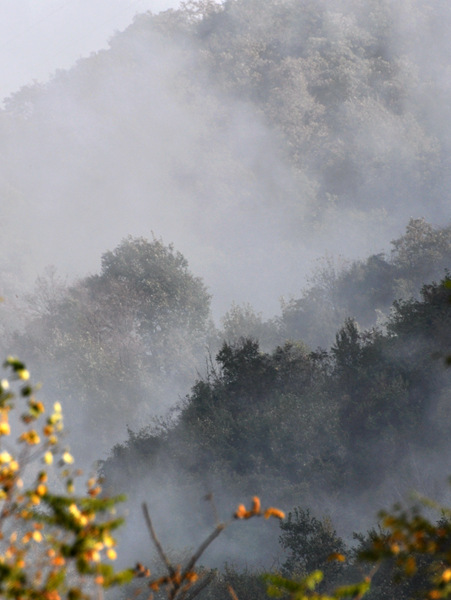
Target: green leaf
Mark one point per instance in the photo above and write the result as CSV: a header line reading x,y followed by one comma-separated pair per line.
x,y
353,590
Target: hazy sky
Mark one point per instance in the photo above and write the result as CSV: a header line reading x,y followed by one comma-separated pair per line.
x,y
40,36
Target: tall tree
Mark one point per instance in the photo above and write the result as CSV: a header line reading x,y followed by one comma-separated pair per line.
x,y
129,340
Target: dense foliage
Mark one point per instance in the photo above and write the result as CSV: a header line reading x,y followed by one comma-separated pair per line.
x,y
320,71
314,421
251,130
365,289
339,289
136,330
55,540
141,327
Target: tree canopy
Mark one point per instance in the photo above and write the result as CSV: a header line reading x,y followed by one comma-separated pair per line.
x,y
313,421
127,340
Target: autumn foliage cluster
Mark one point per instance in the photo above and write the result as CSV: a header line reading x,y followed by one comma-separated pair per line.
x,y
54,542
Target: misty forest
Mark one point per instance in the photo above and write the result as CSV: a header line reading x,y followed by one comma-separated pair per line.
x,y
225,244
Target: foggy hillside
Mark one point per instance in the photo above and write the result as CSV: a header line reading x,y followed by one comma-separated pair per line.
x,y
215,160
343,431
254,136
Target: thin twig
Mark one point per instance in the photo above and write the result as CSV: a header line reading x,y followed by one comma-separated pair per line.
x,y
202,585
195,557
232,592
177,586
209,498
156,541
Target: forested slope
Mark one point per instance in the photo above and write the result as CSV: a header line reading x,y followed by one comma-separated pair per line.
x,y
254,135
339,289
344,430
120,346
125,344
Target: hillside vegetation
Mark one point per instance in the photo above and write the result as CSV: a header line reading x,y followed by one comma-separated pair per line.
x,y
266,140
255,136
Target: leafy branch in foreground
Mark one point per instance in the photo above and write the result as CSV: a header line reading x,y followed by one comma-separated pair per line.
x,y
305,588
408,556
418,547
54,542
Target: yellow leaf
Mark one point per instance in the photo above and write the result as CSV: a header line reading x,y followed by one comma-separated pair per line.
x,y
41,489
48,458
5,457
68,458
30,437
5,429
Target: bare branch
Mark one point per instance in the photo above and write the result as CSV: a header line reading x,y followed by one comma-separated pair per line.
x,y
156,541
201,586
232,592
209,498
195,557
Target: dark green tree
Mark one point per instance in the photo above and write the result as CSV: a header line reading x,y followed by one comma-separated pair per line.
x,y
309,543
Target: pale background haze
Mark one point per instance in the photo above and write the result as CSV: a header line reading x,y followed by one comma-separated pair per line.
x,y
39,36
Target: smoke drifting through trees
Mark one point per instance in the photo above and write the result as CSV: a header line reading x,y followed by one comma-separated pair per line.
x,y
255,136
